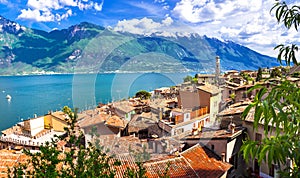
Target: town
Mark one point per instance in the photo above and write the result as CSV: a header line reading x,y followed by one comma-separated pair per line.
x,y
191,125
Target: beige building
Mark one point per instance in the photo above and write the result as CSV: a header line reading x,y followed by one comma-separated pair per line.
x,y
263,169
210,96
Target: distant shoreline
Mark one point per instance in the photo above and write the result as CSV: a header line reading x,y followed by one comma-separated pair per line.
x,y
113,72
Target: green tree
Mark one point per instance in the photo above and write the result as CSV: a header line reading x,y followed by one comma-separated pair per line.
x,y
76,161
275,73
191,79
187,78
143,94
289,17
278,109
259,75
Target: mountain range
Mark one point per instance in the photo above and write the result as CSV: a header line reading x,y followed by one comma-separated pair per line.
x,y
90,48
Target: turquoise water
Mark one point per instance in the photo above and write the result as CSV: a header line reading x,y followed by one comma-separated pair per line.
x,y
42,93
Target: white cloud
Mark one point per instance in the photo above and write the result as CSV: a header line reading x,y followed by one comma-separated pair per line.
x,y
247,22
196,11
55,10
68,2
144,26
44,5
98,6
44,16
3,1
64,16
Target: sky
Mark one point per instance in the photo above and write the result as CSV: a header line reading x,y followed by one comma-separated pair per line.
x,y
246,22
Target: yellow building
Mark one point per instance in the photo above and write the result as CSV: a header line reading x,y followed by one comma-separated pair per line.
x,y
56,121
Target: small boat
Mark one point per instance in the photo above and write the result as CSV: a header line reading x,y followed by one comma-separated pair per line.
x,y
8,97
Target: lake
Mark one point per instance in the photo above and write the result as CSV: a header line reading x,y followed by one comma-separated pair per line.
x,y
39,94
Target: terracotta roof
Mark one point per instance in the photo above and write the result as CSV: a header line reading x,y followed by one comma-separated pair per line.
x,y
206,75
125,106
210,89
9,158
215,134
179,167
250,118
204,162
115,121
93,120
60,115
141,122
232,111
197,161
232,83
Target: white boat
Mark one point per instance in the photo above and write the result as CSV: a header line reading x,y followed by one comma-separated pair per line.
x,y
8,97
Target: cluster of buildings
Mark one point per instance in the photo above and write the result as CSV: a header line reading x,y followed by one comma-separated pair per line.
x,y
197,127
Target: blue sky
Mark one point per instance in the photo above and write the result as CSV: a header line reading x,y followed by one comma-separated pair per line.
x,y
247,22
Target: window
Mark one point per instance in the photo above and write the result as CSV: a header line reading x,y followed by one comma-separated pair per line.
x,y
256,167
213,147
272,170
258,137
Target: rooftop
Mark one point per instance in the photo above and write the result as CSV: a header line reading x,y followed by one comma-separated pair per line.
x,y
124,106
94,119
115,121
23,140
60,115
10,158
196,161
210,89
233,110
216,134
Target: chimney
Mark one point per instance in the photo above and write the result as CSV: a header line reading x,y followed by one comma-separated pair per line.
x,y
217,70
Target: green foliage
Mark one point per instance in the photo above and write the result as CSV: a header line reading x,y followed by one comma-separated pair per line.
x,y
278,112
296,74
143,94
259,75
246,77
188,78
289,17
94,132
140,171
191,79
232,96
136,173
275,73
139,157
76,161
